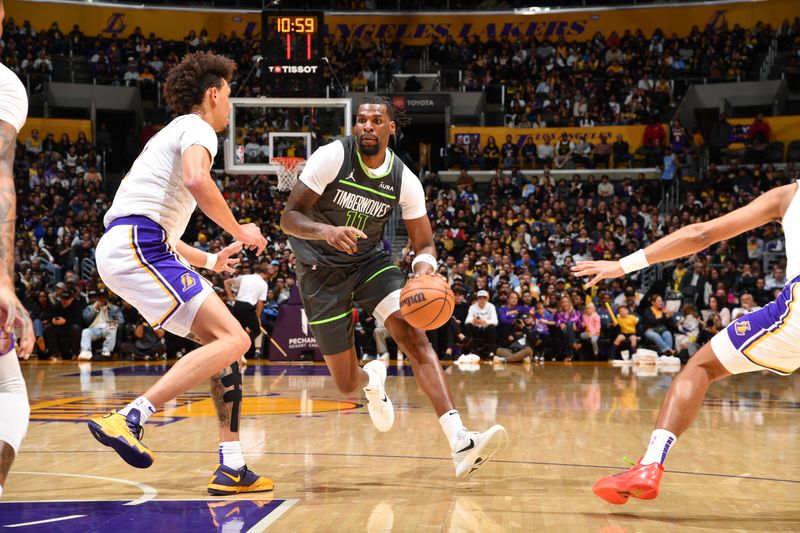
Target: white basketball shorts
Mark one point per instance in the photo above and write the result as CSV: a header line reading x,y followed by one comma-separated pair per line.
x,y
136,262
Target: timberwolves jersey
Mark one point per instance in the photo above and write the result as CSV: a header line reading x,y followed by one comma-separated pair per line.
x,y
354,198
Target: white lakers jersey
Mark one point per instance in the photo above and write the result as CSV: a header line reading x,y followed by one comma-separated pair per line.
x,y
791,227
154,186
13,99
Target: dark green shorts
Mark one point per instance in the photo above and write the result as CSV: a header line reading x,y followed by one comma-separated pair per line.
x,y
329,293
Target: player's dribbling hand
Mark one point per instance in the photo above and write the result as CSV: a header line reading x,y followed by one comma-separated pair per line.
x,y
14,316
250,236
344,238
599,270
226,263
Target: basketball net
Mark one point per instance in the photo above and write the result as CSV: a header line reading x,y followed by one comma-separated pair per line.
x,y
287,168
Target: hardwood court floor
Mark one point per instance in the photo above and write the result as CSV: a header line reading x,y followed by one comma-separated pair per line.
x,y
737,469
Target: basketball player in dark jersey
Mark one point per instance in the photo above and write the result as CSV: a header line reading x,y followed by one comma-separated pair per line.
x,y
335,217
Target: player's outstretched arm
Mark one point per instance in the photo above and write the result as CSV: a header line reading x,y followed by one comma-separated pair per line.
x,y
223,261
296,222
693,238
195,163
12,313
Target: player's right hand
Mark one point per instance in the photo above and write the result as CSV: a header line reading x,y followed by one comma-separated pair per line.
x,y
597,270
13,315
344,238
250,236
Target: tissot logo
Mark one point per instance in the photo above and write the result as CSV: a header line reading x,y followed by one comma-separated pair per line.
x,y
293,69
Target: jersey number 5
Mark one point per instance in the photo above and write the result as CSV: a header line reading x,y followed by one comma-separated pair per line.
x,y
356,220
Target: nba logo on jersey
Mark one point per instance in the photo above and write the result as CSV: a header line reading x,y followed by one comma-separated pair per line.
x,y
187,281
742,327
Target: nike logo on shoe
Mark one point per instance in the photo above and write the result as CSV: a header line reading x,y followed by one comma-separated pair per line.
x,y
385,398
234,479
469,447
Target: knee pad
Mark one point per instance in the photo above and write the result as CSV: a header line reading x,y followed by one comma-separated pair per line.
x,y
233,396
14,408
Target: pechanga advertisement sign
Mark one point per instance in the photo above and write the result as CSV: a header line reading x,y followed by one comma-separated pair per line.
x,y
409,28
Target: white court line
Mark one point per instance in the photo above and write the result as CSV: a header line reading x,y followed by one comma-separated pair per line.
x,y
59,519
273,516
148,492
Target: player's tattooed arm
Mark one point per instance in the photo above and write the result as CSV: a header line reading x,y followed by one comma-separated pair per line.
x,y
8,202
296,222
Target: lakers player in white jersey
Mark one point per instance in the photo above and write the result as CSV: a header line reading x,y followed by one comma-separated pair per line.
x,y
14,409
142,259
767,339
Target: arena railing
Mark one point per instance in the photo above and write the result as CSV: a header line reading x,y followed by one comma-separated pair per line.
x,y
617,174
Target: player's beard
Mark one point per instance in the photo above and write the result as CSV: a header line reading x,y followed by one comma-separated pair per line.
x,y
369,150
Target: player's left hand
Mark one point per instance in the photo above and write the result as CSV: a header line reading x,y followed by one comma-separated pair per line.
x,y
13,315
424,269
600,270
226,263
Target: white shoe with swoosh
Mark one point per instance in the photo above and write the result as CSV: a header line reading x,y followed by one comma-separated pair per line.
x,y
476,449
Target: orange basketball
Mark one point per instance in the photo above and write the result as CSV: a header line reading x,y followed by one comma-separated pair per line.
x,y
427,302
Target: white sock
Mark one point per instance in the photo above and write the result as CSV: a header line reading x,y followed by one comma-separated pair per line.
x,y
142,405
230,454
660,442
374,382
1,491
452,427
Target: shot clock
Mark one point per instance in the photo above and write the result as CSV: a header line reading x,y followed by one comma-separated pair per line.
x,y
292,46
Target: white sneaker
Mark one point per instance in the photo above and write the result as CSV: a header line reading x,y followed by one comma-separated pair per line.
x,y
476,449
364,356
498,359
380,406
384,356
401,357
85,355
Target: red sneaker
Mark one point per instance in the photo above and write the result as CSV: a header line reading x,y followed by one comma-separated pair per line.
x,y
641,481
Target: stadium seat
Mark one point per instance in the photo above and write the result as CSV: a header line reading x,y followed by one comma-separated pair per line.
x,y
793,153
775,152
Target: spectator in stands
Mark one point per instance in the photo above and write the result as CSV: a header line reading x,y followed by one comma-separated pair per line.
x,y
605,189
758,140
627,323
148,343
529,153
656,323
491,153
545,153
102,319
63,333
33,144
481,325
412,85
654,141
601,155
621,150
688,329
509,151
570,322
519,345
564,151
592,328
746,305
776,280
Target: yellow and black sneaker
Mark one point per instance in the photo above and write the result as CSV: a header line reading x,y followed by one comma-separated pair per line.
x,y
227,480
124,434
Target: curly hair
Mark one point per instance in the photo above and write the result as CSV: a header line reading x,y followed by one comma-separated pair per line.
x,y
399,116
188,82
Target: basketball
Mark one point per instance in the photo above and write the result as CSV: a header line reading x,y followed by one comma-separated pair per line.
x,y
427,302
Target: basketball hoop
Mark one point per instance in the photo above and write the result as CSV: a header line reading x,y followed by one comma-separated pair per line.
x,y
287,168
